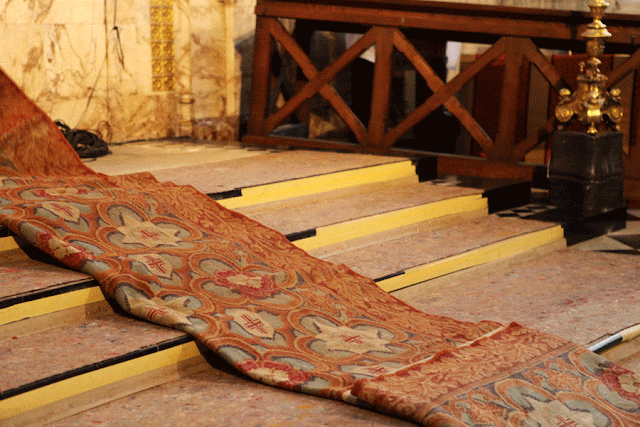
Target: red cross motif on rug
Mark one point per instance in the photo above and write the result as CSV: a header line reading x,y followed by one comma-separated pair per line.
x,y
153,312
356,339
253,324
564,422
155,263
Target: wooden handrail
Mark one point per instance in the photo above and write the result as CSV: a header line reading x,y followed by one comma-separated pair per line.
x,y
462,21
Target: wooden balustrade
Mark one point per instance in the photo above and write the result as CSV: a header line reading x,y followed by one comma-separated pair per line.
x,y
515,34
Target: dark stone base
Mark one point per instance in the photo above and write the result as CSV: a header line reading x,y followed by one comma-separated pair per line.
x,y
585,198
585,173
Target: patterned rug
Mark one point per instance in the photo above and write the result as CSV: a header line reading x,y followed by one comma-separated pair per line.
x,y
172,256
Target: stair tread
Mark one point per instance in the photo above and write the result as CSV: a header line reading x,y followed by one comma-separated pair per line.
x,y
27,276
391,256
580,295
29,358
310,212
268,168
230,401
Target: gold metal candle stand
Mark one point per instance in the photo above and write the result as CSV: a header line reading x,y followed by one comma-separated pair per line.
x,y
585,169
591,103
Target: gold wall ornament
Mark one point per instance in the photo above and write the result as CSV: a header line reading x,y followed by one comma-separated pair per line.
x,y
162,45
591,103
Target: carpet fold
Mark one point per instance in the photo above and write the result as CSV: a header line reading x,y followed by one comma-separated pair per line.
x,y
172,256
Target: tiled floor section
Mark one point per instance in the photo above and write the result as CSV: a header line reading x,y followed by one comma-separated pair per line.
x,y
525,211
625,241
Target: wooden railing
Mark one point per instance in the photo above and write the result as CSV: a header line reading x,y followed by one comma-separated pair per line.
x,y
516,34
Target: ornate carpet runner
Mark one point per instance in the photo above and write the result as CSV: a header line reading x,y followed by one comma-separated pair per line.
x,y
170,255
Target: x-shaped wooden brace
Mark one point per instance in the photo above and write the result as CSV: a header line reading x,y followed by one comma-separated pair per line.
x,y
319,80
386,39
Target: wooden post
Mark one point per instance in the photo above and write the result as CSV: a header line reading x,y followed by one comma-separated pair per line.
x,y
509,101
260,76
381,86
632,165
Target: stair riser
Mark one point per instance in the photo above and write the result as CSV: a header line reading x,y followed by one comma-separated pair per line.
x,y
380,223
52,304
80,313
483,255
320,184
77,394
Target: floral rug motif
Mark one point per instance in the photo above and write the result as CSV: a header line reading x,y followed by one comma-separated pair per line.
x,y
172,256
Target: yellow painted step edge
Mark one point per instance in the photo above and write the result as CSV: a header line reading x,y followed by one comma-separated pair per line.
x,y
320,184
86,382
360,227
8,244
473,258
50,304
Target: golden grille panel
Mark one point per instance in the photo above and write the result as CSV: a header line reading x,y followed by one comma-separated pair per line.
x,y
162,45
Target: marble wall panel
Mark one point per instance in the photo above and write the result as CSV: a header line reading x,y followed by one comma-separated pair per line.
x,y
243,32
90,65
244,19
58,65
209,58
624,6
182,42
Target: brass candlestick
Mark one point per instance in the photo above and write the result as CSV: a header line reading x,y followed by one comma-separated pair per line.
x,y
591,103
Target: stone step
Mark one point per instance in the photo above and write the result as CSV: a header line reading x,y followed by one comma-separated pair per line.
x,y
218,396
340,217
35,295
583,296
622,346
345,214
59,371
283,190
64,349
232,176
626,355
417,257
